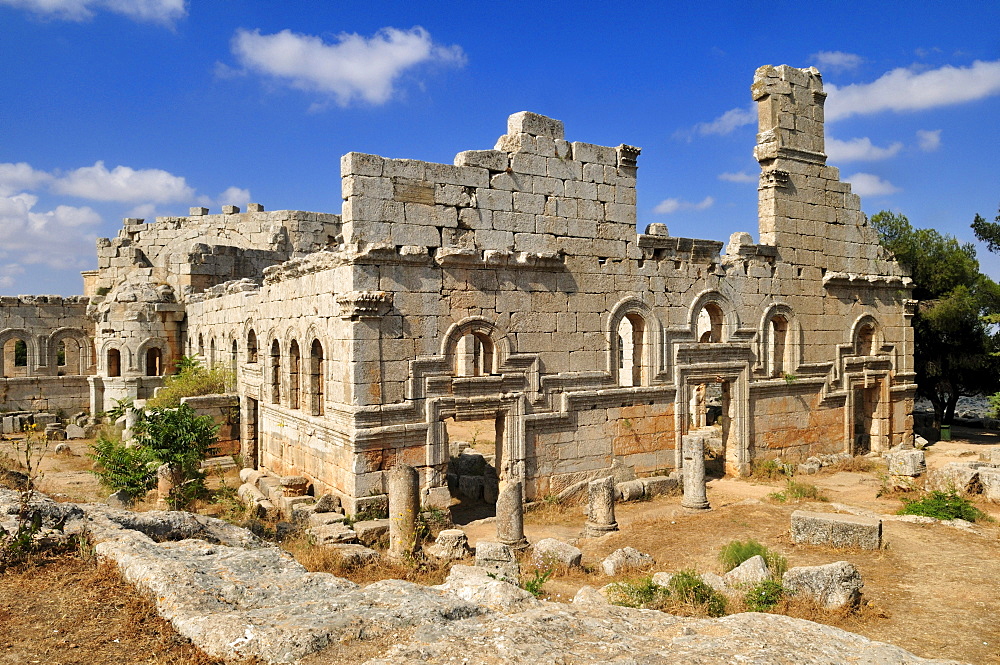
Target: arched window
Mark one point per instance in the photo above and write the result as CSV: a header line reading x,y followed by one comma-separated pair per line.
x,y
293,375
114,362
201,346
275,372
779,344
211,353
865,341
251,347
632,366
710,321
20,353
475,356
234,355
154,361
316,374
61,354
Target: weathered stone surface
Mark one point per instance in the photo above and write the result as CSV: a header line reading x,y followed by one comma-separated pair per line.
x,y
906,462
601,507
695,497
715,581
404,505
552,553
510,516
352,554
371,531
624,560
450,545
833,585
62,449
331,534
632,490
836,530
659,485
958,476
989,478
752,571
474,584
320,519
499,560
75,432
120,499
588,595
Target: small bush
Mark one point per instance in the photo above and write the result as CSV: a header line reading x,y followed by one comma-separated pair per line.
x,y
192,379
797,491
763,596
943,506
688,588
736,552
120,468
535,583
641,593
767,469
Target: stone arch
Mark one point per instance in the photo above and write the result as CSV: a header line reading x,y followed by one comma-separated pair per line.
x,y
82,361
294,374
252,350
7,363
317,377
152,357
779,348
475,347
866,336
712,318
634,349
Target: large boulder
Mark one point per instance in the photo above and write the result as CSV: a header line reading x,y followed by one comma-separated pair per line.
x,y
552,553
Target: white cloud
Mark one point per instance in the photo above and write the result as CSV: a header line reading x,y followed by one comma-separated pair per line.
x,y
235,196
929,140
868,184
60,238
668,206
837,60
859,150
741,176
20,177
8,272
728,121
352,68
124,184
152,11
911,90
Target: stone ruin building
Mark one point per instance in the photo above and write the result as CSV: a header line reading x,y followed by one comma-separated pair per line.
x,y
513,287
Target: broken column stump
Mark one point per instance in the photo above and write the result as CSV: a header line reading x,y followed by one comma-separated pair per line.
x,y
404,504
601,507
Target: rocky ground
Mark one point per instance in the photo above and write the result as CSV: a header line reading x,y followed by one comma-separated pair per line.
x,y
932,590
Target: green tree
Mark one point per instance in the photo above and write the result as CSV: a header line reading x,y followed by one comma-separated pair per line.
x,y
954,345
988,232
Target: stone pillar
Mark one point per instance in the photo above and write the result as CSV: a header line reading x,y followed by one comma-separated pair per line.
x,y
510,516
695,496
601,507
404,504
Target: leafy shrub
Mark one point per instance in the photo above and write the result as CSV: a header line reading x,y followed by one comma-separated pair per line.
x,y
763,596
943,506
534,584
192,379
736,552
639,593
120,468
767,469
688,587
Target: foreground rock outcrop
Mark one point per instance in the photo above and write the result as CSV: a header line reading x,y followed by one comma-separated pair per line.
x,y
234,596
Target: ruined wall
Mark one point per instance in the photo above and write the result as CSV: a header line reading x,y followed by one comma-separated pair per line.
x,y
48,371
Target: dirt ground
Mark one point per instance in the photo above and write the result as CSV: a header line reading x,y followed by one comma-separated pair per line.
x,y
933,589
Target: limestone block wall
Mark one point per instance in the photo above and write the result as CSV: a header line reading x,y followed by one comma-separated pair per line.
x,y
44,393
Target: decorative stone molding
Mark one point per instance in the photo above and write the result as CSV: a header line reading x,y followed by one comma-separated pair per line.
x,y
357,305
774,178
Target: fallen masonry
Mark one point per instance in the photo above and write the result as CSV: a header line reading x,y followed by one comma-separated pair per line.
x,y
235,597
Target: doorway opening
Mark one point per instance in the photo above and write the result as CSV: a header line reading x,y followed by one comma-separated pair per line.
x,y
475,448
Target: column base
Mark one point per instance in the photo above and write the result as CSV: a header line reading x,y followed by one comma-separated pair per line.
x,y
596,530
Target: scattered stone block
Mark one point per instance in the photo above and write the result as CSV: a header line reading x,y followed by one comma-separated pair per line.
x,y
294,485
752,571
43,419
809,468
550,552
625,559
836,530
588,595
327,503
471,487
354,555
370,532
659,485
662,579
498,559
906,462
55,434
121,499
631,490
63,449
833,585
331,534
474,584
715,581
959,476
450,545
75,432
989,478
321,519
250,476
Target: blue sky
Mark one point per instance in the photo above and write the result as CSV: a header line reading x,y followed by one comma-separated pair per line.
x,y
122,108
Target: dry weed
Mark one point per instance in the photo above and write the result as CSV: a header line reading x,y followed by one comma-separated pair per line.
x,y
319,559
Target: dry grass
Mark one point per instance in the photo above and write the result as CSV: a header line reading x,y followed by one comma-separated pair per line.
x,y
69,609
853,465
318,559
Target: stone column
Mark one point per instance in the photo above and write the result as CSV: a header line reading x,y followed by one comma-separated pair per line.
x,y
404,504
510,516
601,507
695,496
